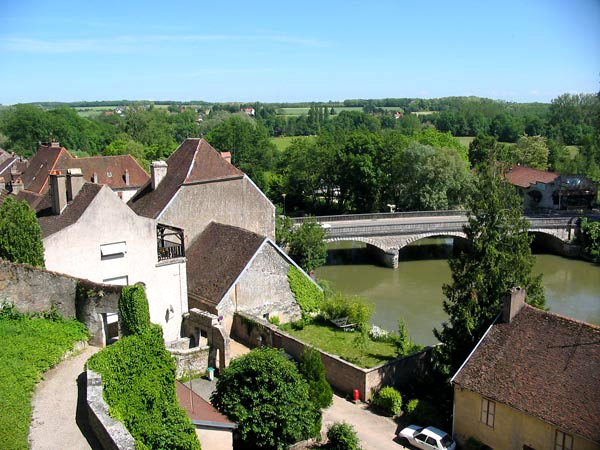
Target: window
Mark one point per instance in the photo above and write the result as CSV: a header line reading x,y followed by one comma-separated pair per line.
x,y
564,441
109,174
114,250
431,441
488,412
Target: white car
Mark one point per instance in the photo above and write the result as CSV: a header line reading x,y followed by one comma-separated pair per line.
x,y
429,438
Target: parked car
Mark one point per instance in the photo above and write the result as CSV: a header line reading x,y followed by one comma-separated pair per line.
x,y
429,438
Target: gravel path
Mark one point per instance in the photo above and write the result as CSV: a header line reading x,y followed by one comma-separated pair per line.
x,y
58,414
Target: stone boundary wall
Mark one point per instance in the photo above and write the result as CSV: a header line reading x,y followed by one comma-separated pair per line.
x,y
188,361
33,289
111,433
342,375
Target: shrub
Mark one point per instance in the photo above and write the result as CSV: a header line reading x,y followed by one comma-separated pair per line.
x,y
309,297
590,238
421,411
388,399
133,306
312,369
264,393
20,234
342,436
355,308
274,320
404,345
138,376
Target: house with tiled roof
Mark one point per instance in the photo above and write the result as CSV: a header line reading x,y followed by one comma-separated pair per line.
x,y
532,382
542,189
232,270
89,233
121,173
196,186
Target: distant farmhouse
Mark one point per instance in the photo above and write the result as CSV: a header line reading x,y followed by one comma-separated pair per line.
x,y
549,190
532,382
121,173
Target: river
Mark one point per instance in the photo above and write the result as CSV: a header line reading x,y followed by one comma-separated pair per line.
x,y
414,290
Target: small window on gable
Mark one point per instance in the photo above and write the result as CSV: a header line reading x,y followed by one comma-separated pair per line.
x,y
488,412
109,174
564,441
114,250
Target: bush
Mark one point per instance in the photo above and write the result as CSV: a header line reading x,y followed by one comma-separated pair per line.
x,y
307,294
312,369
342,436
355,308
590,238
404,345
274,320
388,399
264,393
421,411
20,234
138,376
133,306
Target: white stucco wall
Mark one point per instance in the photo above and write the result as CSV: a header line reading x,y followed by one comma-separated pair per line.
x,y
75,251
234,202
126,193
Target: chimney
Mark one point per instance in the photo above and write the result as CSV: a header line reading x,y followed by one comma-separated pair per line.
x,y
54,144
2,184
158,170
58,189
513,303
126,177
226,156
17,186
74,183
95,178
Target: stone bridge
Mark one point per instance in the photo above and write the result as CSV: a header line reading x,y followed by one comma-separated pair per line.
x,y
387,233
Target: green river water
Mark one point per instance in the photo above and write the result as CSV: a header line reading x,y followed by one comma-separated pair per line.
x,y
414,290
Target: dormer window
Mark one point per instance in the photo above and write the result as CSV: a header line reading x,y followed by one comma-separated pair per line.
x,y
109,174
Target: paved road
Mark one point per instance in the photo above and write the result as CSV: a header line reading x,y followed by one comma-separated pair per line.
x,y
374,431
58,408
396,221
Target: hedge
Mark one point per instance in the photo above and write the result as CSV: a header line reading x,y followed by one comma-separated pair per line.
x,y
134,309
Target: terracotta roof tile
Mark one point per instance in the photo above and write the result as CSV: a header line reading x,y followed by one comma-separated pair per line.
x,y
51,224
35,177
523,176
37,202
104,166
543,364
194,161
216,257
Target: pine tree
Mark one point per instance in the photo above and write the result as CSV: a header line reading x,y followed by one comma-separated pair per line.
x,y
20,234
500,258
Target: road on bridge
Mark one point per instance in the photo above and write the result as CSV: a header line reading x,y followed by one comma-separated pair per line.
x,y
395,221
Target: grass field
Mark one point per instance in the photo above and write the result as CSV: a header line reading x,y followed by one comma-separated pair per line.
x,y
283,142
300,111
333,340
28,347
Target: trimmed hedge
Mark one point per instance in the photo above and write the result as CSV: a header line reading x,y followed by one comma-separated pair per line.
x,y
307,294
138,376
134,309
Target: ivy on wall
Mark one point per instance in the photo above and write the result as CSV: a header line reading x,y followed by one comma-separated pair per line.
x,y
133,306
309,297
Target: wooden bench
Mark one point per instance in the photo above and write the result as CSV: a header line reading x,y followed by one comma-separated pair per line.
x,y
342,323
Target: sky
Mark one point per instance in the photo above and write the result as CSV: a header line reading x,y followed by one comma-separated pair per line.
x,y
280,51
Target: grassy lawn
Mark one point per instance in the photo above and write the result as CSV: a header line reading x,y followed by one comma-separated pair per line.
x,y
284,142
465,140
333,340
28,347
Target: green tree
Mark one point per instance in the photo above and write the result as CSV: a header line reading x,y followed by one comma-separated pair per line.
x,y
590,238
307,245
532,151
500,258
20,234
312,369
266,396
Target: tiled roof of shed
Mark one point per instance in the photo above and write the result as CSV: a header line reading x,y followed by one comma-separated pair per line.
x,y
54,223
194,161
523,176
216,257
104,166
543,364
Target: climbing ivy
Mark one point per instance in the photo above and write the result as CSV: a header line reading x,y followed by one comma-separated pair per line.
x,y
133,306
307,294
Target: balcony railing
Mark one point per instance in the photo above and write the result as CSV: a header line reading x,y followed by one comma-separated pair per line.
x,y
172,247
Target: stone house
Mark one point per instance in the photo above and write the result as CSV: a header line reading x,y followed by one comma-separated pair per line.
x,y
196,186
231,269
532,382
121,173
541,189
89,233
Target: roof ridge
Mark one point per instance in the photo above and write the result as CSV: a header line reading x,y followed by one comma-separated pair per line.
x,y
563,317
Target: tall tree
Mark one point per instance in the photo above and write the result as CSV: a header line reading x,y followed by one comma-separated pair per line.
x,y
500,258
532,151
20,234
307,245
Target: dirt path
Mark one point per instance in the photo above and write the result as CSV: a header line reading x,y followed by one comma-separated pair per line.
x,y
58,414
374,431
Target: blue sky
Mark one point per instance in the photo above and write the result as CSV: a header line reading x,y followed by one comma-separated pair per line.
x,y
527,50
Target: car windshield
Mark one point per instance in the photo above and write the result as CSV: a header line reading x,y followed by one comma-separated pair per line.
x,y
447,441
418,430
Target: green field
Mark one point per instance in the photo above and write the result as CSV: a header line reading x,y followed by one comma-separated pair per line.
x,y
283,142
28,347
300,111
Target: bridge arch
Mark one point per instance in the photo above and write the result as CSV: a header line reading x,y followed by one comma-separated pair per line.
x,y
417,237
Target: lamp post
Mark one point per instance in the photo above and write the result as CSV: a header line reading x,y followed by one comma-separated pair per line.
x,y
283,195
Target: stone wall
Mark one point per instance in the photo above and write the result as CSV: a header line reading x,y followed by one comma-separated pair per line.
x,y
111,433
342,375
32,289
201,325
188,360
